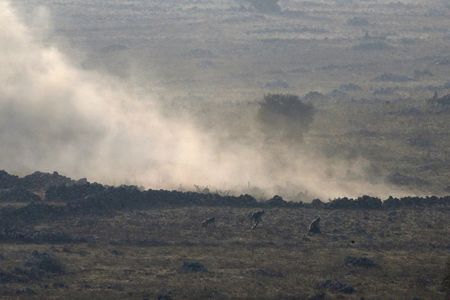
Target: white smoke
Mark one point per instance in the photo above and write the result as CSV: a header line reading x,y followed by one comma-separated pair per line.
x,y
56,116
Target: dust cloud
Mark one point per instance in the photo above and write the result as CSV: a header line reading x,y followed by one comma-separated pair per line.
x,y
55,115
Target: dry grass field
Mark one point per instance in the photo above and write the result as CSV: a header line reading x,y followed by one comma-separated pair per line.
x,y
140,255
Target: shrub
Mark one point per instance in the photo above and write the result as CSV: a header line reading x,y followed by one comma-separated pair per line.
x,y
193,267
359,262
284,117
41,263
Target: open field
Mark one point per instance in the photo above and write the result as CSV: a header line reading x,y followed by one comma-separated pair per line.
x,y
140,254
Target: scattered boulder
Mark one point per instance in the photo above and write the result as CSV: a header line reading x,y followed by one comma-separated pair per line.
x,y
336,286
193,267
360,262
314,227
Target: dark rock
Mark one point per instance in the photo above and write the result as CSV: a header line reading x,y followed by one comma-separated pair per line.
x,y
193,267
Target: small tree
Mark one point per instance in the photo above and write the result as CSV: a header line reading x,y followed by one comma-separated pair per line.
x,y
285,117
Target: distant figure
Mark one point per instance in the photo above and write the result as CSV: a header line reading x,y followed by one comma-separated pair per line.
x,y
208,222
255,218
314,227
